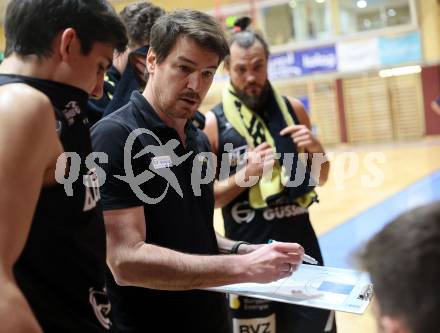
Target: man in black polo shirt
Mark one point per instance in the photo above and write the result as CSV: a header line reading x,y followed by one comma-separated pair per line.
x,y
160,238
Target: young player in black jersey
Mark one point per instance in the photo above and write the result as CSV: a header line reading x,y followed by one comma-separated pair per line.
x,y
52,242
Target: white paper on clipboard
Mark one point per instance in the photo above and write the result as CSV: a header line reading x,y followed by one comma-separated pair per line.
x,y
315,286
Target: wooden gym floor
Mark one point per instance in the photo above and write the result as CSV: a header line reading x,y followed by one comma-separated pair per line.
x,y
367,187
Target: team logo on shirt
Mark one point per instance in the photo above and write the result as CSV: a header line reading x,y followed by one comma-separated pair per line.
x,y
243,213
101,307
280,212
160,162
91,184
70,111
254,325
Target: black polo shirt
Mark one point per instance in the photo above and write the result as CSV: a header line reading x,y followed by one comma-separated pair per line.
x,y
175,217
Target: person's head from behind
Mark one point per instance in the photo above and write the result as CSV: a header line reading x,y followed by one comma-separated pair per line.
x,y
404,263
247,66
138,19
77,36
186,48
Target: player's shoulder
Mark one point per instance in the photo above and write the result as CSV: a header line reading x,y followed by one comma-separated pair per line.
x,y
296,103
27,119
300,110
23,105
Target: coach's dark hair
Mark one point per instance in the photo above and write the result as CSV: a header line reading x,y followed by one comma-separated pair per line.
x,y
198,26
32,25
404,263
139,19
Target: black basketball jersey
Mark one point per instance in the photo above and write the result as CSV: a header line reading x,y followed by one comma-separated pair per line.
x,y
285,221
61,268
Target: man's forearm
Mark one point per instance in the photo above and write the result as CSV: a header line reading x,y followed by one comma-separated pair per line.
x,y
320,164
324,172
226,245
155,267
228,189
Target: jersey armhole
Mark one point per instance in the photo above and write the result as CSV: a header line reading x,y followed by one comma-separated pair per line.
x,y
291,110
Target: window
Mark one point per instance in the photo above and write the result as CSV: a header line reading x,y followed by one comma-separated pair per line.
x,y
278,23
365,15
297,20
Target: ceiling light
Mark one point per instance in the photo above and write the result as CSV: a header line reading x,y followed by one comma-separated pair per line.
x,y
400,71
292,4
362,4
391,12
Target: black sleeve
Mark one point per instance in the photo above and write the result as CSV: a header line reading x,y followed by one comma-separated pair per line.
x,y
109,137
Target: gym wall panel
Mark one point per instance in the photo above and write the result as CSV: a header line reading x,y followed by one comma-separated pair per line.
x,y
368,112
384,109
324,115
407,106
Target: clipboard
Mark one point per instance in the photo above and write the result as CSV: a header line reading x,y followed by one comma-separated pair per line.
x,y
315,286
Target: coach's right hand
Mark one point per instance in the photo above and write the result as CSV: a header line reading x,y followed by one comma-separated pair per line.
x,y
272,262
